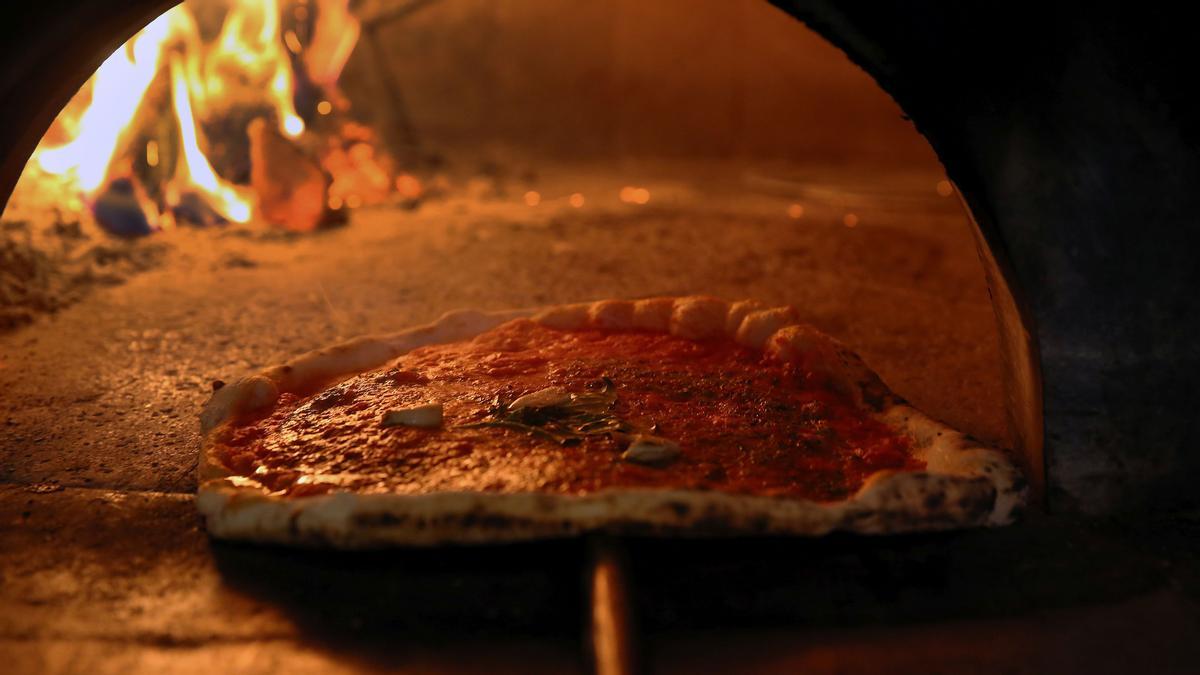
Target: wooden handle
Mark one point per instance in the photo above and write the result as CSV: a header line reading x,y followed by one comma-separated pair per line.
x,y
611,629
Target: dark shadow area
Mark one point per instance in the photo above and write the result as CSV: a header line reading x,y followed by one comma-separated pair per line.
x,y
112,568
528,589
389,608
365,600
1043,563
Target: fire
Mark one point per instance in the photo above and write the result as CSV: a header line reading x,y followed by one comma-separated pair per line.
x,y
98,142
195,168
117,90
259,54
334,36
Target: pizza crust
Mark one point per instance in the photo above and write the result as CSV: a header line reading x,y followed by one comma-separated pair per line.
x,y
965,484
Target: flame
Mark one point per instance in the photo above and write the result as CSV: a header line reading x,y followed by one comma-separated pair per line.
x,y
117,88
249,62
335,33
195,168
260,54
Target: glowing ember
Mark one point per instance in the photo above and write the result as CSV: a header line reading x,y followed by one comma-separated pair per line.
x,y
360,174
634,195
408,186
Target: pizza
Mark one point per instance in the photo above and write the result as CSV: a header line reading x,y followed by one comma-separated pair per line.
x,y
665,416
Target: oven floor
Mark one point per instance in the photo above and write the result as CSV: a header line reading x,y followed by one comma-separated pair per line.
x,y
105,581
105,568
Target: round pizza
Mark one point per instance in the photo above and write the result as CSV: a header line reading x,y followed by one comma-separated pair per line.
x,y
685,416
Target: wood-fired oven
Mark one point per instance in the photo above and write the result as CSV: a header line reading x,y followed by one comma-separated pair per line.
x,y
1012,251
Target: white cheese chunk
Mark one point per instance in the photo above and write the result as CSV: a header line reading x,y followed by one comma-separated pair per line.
x,y
543,398
428,416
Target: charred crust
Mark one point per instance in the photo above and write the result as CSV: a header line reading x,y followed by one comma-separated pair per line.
x,y
680,509
1019,484
976,505
631,527
494,521
712,523
874,399
380,519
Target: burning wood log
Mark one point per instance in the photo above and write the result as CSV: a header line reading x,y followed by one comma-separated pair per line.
x,y
291,186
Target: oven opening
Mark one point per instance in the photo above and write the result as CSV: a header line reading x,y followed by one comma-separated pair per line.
x,y
244,181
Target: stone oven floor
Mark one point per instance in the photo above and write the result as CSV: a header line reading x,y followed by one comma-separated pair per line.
x,y
104,566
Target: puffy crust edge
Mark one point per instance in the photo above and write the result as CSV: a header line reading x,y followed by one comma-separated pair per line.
x,y
965,484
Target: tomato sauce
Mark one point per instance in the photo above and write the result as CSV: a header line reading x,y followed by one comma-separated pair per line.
x,y
745,423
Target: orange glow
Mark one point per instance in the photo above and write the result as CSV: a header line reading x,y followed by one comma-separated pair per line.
x,y
532,198
945,188
150,209
850,220
408,187
634,195
576,200
334,36
356,168
795,211
324,108
292,42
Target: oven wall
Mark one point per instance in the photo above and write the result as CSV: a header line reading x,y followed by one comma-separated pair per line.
x,y
628,78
